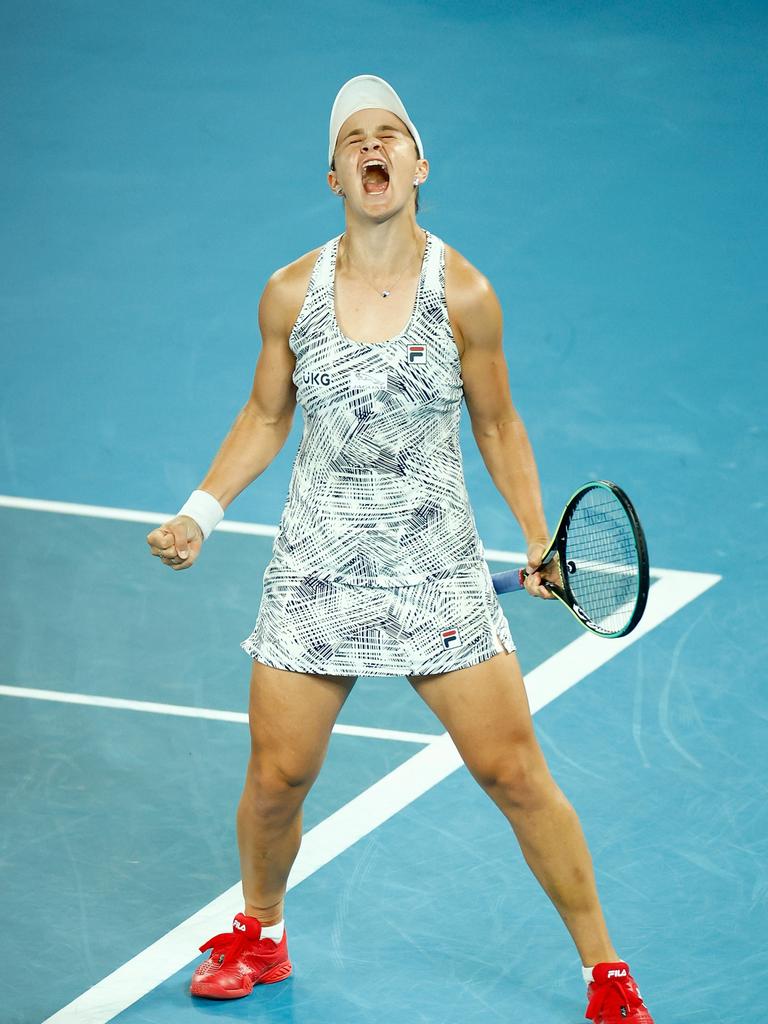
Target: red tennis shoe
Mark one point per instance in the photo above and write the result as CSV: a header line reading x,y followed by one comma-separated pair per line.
x,y
614,997
239,960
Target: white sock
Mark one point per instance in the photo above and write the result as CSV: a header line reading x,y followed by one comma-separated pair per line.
x,y
273,931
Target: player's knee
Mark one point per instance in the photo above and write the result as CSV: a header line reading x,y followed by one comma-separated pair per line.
x,y
516,778
277,780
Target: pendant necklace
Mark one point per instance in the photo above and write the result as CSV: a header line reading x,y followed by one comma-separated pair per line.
x,y
388,291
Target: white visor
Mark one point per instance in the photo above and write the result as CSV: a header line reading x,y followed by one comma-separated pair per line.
x,y
367,92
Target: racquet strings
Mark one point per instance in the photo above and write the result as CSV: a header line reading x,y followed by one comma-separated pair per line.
x,y
603,565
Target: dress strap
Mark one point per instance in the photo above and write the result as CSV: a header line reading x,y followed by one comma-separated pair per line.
x,y
318,290
322,275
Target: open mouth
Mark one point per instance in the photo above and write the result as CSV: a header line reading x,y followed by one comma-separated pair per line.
x,y
375,177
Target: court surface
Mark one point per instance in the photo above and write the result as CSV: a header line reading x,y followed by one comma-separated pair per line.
x,y
602,166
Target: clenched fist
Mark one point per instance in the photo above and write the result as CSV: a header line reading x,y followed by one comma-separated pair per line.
x,y
176,543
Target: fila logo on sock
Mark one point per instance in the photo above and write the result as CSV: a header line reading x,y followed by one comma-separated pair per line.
x,y
450,638
617,974
240,927
417,353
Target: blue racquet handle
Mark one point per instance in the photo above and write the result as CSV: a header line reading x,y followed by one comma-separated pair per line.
x,y
507,581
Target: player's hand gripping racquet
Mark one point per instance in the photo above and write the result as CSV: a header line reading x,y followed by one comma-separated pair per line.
x,y
599,558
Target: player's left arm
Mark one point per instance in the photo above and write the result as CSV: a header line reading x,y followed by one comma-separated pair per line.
x,y
500,433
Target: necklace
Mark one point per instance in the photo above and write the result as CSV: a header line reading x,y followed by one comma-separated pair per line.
x,y
388,291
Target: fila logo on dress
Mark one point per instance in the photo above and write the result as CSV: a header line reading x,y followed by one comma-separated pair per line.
x,y
240,927
417,353
450,638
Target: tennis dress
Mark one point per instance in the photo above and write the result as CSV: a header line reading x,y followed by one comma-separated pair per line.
x,y
377,567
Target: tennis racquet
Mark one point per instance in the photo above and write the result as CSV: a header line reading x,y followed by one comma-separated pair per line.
x,y
601,560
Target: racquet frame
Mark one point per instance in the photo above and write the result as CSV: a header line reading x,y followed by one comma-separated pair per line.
x,y
514,579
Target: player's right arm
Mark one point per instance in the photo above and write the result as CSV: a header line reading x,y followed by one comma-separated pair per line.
x,y
262,425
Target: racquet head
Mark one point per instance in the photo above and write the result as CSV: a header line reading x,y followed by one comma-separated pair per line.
x,y
602,559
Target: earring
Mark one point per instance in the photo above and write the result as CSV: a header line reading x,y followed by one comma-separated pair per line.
x,y
415,181
339,192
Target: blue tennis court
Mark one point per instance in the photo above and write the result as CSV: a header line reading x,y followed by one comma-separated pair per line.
x,y
604,166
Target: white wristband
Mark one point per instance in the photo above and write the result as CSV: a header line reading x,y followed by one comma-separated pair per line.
x,y
204,509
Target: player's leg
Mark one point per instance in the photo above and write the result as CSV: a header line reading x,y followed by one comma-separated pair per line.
x,y
291,716
485,710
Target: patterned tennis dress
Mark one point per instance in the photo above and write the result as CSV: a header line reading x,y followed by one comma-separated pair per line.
x,y
377,567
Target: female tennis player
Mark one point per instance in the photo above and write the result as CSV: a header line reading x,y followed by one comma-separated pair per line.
x,y
377,567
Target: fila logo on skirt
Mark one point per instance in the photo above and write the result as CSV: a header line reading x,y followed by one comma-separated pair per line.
x,y
450,638
417,353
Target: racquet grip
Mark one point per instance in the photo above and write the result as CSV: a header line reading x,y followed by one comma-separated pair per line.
x,y
508,581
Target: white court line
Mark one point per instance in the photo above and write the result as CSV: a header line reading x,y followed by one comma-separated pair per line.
x,y
128,515
132,515
184,711
364,813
